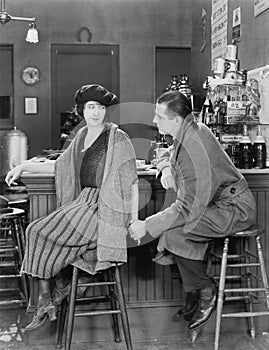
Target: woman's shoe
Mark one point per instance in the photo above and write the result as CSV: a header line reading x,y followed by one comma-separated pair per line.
x,y
60,294
45,311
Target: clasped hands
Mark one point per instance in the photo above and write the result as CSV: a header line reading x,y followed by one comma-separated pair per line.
x,y
137,229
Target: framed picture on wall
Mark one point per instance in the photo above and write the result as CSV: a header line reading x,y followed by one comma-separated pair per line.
x,y
30,105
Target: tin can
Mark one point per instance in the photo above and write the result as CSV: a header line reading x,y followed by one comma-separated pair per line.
x,y
219,66
231,52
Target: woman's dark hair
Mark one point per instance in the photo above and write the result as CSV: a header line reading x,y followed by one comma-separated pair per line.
x,y
176,102
79,110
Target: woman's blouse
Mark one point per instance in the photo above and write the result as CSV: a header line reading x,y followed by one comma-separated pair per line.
x,y
93,162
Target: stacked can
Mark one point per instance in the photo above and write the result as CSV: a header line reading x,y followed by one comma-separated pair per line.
x,y
229,67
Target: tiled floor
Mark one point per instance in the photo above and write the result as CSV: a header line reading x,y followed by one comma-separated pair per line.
x,y
11,338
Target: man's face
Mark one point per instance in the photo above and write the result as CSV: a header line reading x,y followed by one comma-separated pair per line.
x,y
167,123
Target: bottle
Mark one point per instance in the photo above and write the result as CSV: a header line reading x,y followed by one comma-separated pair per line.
x,y
162,146
259,150
222,110
208,111
183,86
245,148
173,85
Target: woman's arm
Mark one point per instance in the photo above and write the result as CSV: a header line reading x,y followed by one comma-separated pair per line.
x,y
135,202
29,166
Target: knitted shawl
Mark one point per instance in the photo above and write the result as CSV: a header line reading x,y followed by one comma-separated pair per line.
x,y
115,197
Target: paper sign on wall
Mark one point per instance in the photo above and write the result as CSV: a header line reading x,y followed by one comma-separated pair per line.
x,y
236,30
218,29
260,6
261,76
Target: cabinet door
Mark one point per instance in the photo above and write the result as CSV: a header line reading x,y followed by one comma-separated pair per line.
x,y
74,65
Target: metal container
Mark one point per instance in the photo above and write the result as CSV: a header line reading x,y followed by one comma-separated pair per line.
x,y
14,149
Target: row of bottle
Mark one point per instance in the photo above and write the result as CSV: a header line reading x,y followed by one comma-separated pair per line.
x,y
224,111
227,104
252,155
181,85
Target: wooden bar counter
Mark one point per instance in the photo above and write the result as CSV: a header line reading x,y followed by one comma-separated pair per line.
x,y
153,292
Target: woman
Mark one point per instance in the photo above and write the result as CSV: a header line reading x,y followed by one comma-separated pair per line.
x,y
96,190
213,201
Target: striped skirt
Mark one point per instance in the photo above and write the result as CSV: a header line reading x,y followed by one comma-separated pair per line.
x,y
62,237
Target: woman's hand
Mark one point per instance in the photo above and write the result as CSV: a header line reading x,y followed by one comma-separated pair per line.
x,y
167,180
13,175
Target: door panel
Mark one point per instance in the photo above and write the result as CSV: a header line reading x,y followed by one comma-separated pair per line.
x,y
170,61
76,65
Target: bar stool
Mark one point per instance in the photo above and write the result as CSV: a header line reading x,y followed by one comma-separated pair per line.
x,y
252,267
111,280
12,244
19,200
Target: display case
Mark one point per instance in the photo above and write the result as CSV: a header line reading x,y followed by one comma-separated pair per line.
x,y
230,110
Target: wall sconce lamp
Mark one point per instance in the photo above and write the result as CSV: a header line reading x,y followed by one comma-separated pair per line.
x,y
32,34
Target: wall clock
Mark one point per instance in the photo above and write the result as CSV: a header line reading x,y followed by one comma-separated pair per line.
x,y
30,75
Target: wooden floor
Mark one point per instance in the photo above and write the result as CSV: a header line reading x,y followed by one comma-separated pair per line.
x,y
11,338
229,342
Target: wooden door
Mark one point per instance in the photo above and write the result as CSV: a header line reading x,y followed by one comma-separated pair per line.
x,y
74,65
170,61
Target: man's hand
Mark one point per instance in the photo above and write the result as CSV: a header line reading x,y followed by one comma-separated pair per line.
x,y
13,175
137,229
167,179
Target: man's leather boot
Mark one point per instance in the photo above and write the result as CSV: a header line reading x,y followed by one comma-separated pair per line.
x,y
188,310
208,304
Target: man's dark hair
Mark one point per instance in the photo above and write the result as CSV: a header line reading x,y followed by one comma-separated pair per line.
x,y
176,102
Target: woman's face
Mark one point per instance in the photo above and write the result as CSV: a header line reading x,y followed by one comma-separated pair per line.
x,y
94,113
165,124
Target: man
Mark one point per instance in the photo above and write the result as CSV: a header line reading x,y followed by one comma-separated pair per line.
x,y
213,201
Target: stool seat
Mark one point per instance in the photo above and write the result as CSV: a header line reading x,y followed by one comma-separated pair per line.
x,y
254,230
12,214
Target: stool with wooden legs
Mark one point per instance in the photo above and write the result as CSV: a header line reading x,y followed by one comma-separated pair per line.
x,y
12,245
112,281
251,265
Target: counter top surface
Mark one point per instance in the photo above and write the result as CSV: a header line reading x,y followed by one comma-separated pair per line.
x,y
152,172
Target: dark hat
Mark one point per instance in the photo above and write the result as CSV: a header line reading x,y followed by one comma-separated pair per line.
x,y
97,93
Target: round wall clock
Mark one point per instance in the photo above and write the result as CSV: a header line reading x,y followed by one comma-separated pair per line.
x,y
30,75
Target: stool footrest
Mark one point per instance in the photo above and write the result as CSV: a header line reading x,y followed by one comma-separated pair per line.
x,y
244,265
9,276
230,277
9,290
246,314
11,302
235,298
95,284
97,313
237,290
234,256
7,264
8,250
93,299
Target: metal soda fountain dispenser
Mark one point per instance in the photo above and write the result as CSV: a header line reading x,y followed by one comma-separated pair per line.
x,y
14,149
